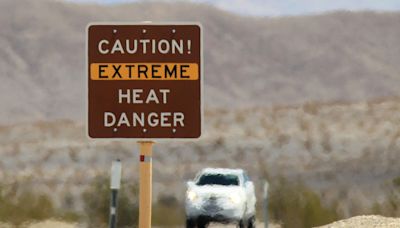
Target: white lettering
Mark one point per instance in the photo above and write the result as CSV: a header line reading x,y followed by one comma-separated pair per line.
x,y
152,46
109,119
144,44
165,93
117,47
152,119
131,51
123,120
177,46
179,117
164,119
141,119
137,118
152,97
101,50
160,46
136,96
122,96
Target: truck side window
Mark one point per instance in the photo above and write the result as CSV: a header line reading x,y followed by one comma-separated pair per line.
x,y
246,177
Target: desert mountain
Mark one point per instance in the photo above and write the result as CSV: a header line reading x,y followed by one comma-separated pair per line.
x,y
340,56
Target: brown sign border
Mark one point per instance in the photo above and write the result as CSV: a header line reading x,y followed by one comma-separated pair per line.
x,y
144,23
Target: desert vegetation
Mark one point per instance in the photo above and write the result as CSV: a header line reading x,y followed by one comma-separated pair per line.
x,y
290,204
19,206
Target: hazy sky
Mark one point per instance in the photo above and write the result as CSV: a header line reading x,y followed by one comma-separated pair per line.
x,y
284,7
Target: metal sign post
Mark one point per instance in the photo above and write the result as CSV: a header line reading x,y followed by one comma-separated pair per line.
x,y
145,185
115,186
265,195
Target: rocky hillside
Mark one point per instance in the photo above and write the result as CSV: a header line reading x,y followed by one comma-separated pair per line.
x,y
248,61
345,152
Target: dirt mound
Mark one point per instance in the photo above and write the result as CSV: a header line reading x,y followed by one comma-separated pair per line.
x,y
366,221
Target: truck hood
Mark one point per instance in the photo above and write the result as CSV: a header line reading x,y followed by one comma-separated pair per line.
x,y
217,191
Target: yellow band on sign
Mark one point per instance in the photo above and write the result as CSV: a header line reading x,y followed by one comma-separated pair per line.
x,y
144,71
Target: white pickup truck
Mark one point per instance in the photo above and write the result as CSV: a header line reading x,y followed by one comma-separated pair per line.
x,y
220,195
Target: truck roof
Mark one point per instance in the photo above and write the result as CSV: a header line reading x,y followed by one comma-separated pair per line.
x,y
222,171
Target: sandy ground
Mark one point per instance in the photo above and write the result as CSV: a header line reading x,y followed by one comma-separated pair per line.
x,y
259,225
57,224
216,225
364,221
44,224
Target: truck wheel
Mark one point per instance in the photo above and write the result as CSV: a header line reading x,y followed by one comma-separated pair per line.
x,y
190,223
201,223
251,223
241,224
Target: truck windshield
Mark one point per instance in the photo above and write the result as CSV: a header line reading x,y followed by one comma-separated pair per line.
x,y
218,179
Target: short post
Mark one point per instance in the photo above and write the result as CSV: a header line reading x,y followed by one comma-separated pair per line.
x,y
115,185
265,195
145,184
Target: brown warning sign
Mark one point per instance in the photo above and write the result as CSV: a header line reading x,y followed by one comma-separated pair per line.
x,y
144,81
